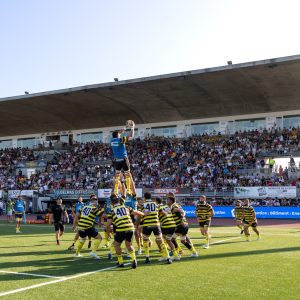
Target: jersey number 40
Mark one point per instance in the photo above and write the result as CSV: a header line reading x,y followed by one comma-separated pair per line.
x,y
150,207
86,211
121,212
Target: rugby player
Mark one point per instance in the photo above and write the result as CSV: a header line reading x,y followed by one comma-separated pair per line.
x,y
151,224
132,202
75,209
167,226
86,217
57,213
238,212
250,220
120,216
18,207
120,156
108,208
182,226
204,212
180,251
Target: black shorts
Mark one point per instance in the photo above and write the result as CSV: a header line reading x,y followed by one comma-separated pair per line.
x,y
204,224
122,163
18,216
182,230
59,226
254,224
127,235
166,231
114,228
91,232
147,230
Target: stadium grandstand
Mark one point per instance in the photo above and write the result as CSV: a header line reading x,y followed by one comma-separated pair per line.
x,y
207,131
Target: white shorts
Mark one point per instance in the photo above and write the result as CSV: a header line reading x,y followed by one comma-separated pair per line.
x,y
9,213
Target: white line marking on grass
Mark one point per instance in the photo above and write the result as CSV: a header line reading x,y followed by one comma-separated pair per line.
x,y
225,240
55,281
31,274
217,241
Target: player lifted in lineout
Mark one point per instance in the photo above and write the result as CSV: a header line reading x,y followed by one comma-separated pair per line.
x,y
120,155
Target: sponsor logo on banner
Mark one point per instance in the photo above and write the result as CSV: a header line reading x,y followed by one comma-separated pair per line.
x,y
105,193
17,193
261,212
161,192
270,122
166,191
265,192
74,193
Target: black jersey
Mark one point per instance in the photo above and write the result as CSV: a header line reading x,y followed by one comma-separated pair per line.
x,y
58,212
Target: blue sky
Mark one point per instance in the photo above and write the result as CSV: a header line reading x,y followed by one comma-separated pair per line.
x,y
50,45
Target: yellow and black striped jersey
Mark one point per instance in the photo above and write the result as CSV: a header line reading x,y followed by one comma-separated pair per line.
x,y
88,214
166,221
203,210
177,216
120,216
122,200
248,213
239,211
152,219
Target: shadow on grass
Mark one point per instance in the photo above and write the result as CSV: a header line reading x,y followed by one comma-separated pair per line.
x,y
68,266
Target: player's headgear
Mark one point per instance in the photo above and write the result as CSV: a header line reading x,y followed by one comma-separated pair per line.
x,y
115,134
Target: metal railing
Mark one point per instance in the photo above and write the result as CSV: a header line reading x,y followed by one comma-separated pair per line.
x,y
213,192
278,153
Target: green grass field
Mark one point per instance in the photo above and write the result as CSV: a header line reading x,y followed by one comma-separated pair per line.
x,y
230,269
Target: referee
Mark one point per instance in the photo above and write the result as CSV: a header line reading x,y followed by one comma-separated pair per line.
x,y
57,213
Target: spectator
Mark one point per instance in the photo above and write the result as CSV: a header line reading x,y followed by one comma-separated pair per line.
x,y
30,207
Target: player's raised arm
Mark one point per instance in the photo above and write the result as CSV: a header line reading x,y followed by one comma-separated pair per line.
x,y
131,136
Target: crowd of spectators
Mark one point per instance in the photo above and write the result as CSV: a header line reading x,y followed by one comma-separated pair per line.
x,y
201,163
268,202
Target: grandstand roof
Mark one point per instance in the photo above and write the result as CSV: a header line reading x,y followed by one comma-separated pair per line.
x,y
247,88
